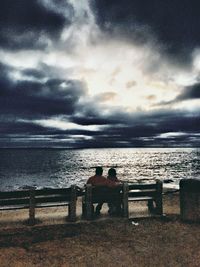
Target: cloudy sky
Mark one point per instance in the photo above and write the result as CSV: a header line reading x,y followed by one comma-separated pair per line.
x,y
81,73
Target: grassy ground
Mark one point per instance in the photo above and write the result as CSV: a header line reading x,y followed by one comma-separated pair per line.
x,y
112,242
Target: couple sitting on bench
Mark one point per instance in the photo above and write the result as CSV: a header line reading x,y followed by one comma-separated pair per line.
x,y
110,182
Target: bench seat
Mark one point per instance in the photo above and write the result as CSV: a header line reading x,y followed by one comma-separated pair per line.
x,y
130,199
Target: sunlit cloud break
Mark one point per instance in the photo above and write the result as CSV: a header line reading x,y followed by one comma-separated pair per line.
x,y
98,74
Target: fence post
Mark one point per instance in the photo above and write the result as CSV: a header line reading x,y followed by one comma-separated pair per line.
x,y
125,200
32,207
72,204
88,201
159,200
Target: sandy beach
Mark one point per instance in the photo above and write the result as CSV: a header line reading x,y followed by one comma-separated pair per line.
x,y
102,242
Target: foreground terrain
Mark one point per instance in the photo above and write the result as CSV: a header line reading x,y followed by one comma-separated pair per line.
x,y
105,242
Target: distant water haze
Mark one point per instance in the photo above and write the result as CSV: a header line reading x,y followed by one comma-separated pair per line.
x,y
44,168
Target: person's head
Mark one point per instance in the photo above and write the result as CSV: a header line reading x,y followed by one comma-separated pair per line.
x,y
99,170
112,172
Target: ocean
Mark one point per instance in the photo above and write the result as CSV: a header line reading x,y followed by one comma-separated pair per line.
x,y
53,168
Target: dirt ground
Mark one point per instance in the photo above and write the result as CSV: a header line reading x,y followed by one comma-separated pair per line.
x,y
103,242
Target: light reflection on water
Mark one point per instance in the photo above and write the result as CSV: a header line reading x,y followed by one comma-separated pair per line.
x,y
61,168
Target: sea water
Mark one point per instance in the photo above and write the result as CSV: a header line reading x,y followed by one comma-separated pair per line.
x,y
53,168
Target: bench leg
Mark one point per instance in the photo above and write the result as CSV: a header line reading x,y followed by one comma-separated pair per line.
x,y
83,207
88,202
125,201
72,205
32,208
87,213
72,212
159,207
89,208
151,207
159,201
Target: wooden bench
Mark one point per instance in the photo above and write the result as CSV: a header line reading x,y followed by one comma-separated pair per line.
x,y
32,199
99,194
149,192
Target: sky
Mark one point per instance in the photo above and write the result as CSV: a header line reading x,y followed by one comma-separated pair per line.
x,y
84,74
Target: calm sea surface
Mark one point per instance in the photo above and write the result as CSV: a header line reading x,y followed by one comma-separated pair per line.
x,y
21,168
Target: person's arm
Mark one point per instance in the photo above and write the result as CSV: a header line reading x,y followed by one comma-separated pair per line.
x,y
119,181
110,183
89,181
114,179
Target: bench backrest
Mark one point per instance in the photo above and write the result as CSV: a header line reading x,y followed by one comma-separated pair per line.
x,y
102,193
14,198
142,190
148,191
106,194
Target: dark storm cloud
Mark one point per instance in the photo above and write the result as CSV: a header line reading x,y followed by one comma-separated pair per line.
x,y
145,132
91,114
90,120
12,126
5,82
34,73
188,93
23,101
42,93
26,24
126,126
174,23
34,98
142,129
4,70
27,128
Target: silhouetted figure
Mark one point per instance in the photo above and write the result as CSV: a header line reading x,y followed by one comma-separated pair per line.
x,y
112,175
99,180
115,207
